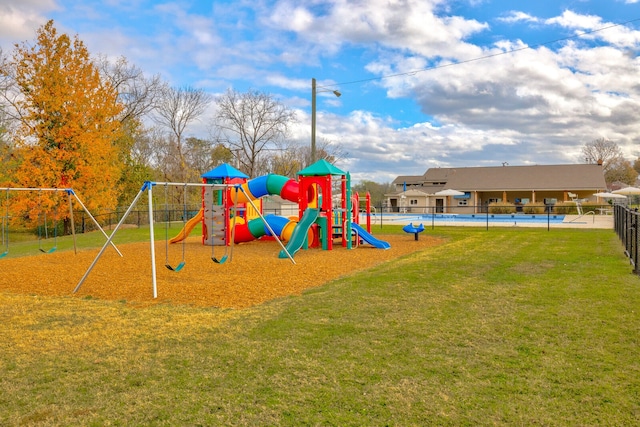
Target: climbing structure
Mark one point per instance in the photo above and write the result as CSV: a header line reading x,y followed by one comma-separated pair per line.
x,y
217,204
319,179
232,212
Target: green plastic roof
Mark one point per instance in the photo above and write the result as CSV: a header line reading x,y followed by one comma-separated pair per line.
x,y
320,168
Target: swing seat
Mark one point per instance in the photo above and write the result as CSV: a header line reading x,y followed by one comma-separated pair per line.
x,y
48,251
221,260
176,268
4,254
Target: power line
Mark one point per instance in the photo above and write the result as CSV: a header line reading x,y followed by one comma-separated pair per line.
x,y
480,58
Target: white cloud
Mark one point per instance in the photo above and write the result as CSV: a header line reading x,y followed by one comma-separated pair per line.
x,y
516,16
533,106
618,35
572,19
19,19
549,102
406,25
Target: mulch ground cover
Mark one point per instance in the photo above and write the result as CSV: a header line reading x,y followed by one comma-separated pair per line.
x,y
254,274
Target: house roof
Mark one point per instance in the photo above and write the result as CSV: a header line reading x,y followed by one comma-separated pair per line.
x,y
514,178
408,179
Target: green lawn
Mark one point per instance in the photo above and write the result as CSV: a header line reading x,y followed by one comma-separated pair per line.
x,y
500,327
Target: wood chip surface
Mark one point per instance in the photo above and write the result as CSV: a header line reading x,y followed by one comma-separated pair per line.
x,y
254,274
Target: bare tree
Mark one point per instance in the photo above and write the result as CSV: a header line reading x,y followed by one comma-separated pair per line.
x,y
636,165
176,109
621,171
251,123
294,157
6,146
10,94
602,151
287,161
199,154
376,190
137,93
331,151
5,72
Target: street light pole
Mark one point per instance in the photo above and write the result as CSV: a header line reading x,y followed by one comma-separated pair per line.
x,y
314,91
313,120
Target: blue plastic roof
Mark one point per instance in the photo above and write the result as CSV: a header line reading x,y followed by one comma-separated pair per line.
x,y
224,171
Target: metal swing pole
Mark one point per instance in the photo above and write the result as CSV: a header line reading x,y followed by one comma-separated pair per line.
x,y
115,230
73,225
152,240
95,222
70,192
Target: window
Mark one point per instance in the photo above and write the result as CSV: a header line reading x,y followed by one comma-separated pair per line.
x,y
462,202
414,202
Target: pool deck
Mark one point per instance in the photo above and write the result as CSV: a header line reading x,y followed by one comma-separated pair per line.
x,y
570,221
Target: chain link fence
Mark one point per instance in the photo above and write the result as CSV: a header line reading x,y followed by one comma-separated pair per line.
x,y
137,218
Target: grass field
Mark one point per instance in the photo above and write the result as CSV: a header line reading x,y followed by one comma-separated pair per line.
x,y
500,327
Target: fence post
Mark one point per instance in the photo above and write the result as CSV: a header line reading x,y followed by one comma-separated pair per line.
x,y
626,223
628,233
635,242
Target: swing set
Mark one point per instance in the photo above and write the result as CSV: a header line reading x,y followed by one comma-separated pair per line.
x,y
46,227
167,218
228,251
148,189
43,228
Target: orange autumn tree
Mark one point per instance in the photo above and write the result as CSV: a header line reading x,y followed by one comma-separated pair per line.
x,y
68,126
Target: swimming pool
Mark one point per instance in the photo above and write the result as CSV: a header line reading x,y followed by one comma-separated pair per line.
x,y
481,217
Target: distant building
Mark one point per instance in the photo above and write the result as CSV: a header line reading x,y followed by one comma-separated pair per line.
x,y
484,185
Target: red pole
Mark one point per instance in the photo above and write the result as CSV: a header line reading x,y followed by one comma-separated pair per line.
x,y
204,223
355,208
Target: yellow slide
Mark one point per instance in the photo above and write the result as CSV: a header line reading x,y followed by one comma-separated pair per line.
x,y
188,227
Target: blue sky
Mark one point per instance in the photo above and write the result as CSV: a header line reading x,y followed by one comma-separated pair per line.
x,y
403,108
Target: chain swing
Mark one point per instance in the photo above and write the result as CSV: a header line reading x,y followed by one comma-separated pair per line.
x,y
184,223
43,229
228,252
213,232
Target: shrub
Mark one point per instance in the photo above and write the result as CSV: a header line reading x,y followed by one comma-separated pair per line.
x,y
502,208
534,208
565,208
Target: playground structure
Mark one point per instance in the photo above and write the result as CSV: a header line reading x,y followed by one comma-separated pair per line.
x,y
43,222
231,213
